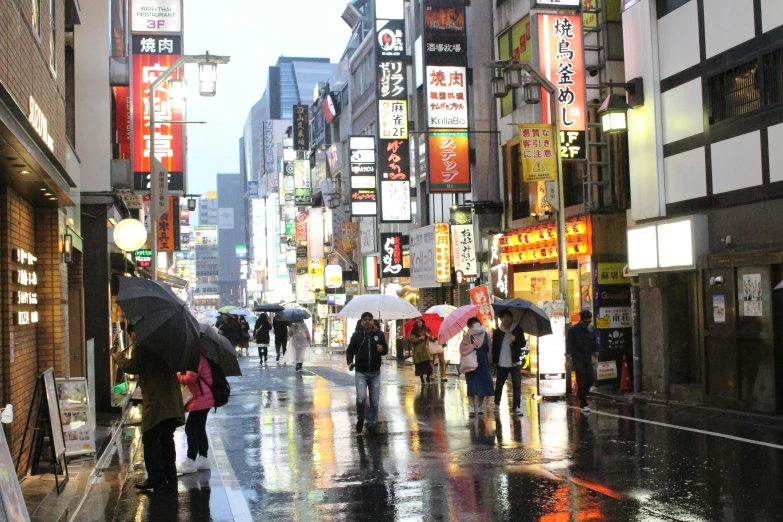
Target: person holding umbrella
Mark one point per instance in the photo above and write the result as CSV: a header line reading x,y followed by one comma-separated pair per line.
x,y
261,336
422,360
199,384
300,345
280,328
244,334
364,354
582,355
479,381
162,412
507,344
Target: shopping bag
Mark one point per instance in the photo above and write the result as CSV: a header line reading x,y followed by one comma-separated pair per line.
x,y
434,348
468,363
186,393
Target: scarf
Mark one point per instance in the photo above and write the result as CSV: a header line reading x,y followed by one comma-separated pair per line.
x,y
477,333
511,329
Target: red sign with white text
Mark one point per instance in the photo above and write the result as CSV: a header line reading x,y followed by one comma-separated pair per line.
x,y
122,112
449,161
480,296
151,57
561,58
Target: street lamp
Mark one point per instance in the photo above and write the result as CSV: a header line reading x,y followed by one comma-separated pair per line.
x,y
614,109
207,84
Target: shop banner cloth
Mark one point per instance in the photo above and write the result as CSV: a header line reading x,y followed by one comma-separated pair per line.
x,y
162,322
382,307
455,322
432,321
218,349
442,310
268,307
533,320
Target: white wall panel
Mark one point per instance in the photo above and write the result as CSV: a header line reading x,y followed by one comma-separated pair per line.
x,y
686,176
736,163
771,14
683,115
678,40
727,23
645,134
775,138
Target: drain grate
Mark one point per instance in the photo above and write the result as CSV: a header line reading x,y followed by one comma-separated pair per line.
x,y
503,455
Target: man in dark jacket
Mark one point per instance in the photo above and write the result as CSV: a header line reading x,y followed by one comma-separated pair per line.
x,y
365,351
582,355
280,328
507,343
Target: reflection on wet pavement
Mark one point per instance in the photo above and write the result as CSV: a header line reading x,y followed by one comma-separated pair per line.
x,y
285,449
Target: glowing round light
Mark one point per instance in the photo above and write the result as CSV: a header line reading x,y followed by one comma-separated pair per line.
x,y
130,235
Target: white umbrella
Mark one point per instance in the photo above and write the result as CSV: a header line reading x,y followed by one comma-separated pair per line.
x,y
293,306
239,311
381,306
442,310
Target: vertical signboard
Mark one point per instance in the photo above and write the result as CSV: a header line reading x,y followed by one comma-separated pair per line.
x,y
391,256
301,128
156,16
122,116
537,152
152,55
561,59
168,227
302,189
364,195
463,246
422,251
445,56
391,83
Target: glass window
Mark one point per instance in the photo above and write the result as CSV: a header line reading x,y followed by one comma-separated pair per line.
x,y
52,36
734,92
36,19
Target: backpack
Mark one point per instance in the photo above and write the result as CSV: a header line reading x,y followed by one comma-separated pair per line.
x,y
220,388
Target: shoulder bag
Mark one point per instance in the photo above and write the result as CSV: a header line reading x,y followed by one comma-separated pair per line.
x,y
469,363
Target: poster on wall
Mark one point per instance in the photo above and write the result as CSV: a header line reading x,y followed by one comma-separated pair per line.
x,y
752,294
719,308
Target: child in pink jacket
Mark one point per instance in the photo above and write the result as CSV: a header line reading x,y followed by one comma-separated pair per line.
x,y
198,409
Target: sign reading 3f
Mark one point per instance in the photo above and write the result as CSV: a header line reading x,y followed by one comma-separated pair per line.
x,y
156,16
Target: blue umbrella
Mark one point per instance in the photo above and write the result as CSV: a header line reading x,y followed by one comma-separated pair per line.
x,y
531,318
239,311
292,315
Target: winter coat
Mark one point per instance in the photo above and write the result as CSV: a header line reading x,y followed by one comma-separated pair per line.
x,y
363,350
261,333
232,331
581,344
199,385
281,330
516,345
298,336
162,398
420,347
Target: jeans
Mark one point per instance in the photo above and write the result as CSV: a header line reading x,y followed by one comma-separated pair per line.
x,y
516,381
196,433
585,377
160,456
371,380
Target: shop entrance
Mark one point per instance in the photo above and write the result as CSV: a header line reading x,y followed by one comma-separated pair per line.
x,y
740,356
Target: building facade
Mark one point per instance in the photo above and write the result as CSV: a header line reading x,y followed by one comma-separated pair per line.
x,y
232,245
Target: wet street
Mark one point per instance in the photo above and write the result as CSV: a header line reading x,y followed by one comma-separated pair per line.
x,y
285,449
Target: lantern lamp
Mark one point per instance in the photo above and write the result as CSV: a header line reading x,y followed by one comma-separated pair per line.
x,y
177,89
130,235
513,78
531,93
207,77
613,112
499,87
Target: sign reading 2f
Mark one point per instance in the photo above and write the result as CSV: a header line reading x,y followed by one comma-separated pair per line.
x,y
156,16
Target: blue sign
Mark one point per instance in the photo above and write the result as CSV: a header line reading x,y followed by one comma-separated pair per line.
x,y
252,189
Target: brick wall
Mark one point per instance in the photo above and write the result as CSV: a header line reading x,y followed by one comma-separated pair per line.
x,y
24,63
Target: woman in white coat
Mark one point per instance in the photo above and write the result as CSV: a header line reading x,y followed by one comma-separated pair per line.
x,y
299,350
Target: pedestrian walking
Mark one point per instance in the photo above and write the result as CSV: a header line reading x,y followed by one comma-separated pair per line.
x,y
419,340
582,355
280,328
244,334
300,351
507,343
230,329
161,413
261,336
199,385
479,381
364,353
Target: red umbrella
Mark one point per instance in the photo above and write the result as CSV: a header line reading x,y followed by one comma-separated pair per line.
x,y
432,321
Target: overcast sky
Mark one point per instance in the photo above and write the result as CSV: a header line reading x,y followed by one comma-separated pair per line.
x,y
254,33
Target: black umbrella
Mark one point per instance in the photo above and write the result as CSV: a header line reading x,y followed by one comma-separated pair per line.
x,y
218,349
293,315
161,321
268,307
533,320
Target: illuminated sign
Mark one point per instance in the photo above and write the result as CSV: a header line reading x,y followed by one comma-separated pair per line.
x,y
334,276
464,250
301,128
371,278
537,152
156,16
143,258
301,228
442,253
447,98
40,123
26,278
302,188
562,62
205,235
539,243
364,196
449,161
391,256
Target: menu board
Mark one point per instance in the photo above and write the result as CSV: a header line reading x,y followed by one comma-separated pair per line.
x,y
337,331
54,415
76,416
12,506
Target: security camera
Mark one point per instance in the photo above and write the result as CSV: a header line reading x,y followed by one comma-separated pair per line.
x,y
716,281
7,416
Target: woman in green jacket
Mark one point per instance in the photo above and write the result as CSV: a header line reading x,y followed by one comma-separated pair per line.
x,y
162,412
419,340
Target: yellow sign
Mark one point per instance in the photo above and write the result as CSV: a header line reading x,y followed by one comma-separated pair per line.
x,y
603,322
611,274
442,253
537,152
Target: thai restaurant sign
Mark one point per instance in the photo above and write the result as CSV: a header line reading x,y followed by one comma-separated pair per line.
x,y
156,16
152,55
393,158
561,59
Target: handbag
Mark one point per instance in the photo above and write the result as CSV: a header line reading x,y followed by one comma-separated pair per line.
x,y
186,393
434,348
468,363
